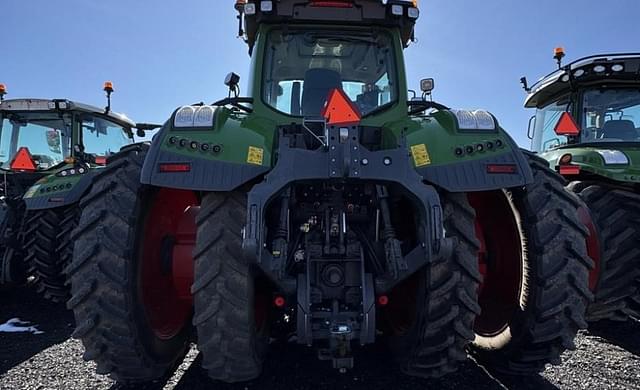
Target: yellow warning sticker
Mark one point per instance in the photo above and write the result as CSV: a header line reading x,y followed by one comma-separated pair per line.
x,y
420,155
255,155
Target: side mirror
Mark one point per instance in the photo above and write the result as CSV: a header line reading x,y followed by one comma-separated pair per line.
x,y
232,81
567,126
427,85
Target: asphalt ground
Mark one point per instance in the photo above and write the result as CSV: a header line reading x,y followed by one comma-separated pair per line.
x,y
606,357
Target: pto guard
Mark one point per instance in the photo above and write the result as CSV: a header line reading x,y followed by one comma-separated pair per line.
x,y
344,158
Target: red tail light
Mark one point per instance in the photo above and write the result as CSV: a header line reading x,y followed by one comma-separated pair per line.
x,y
502,168
569,170
175,167
332,4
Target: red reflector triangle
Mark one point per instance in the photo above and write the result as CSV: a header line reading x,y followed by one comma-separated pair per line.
x,y
340,110
567,125
23,161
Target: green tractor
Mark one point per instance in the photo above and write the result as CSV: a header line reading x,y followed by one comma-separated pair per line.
x,y
327,207
587,126
49,151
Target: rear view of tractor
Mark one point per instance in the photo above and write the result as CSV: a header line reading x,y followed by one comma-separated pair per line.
x,y
587,126
49,150
327,208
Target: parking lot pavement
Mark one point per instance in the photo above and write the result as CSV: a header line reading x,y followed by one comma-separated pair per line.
x,y
607,357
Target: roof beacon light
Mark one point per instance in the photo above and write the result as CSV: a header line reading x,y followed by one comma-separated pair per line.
x,y
108,88
3,91
558,55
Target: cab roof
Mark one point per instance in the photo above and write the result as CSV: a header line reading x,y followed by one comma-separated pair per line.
x,y
622,68
380,13
42,105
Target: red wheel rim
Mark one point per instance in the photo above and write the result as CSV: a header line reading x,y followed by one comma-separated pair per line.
x,y
593,246
500,259
166,263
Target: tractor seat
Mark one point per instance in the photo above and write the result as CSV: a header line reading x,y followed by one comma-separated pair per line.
x,y
317,85
620,129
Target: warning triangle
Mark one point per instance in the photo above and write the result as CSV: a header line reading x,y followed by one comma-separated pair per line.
x,y
23,161
340,110
567,125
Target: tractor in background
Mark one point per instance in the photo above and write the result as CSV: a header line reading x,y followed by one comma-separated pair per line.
x,y
49,151
328,206
587,126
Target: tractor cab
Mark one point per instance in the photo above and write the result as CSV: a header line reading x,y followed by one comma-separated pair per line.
x,y
40,135
304,50
598,95
592,105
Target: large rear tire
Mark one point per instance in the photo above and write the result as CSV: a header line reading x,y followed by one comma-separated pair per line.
x,y
431,315
231,335
615,214
49,249
118,295
547,304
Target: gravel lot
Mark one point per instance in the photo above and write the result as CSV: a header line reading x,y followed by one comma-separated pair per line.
x,y
607,357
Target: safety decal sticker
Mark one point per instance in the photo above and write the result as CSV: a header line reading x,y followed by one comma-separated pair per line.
x,y
255,155
420,155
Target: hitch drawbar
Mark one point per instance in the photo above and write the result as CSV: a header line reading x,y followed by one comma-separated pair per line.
x,y
320,226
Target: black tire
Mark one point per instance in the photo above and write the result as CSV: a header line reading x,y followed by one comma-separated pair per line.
x,y
555,290
446,306
233,348
49,249
105,291
13,268
616,216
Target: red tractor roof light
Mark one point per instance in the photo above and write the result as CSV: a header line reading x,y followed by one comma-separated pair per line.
x,y
23,161
332,4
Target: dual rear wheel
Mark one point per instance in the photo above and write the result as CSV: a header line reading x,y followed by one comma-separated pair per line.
x,y
529,247
519,269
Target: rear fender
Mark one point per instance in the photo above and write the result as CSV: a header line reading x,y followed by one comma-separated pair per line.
x,y
54,191
496,161
222,157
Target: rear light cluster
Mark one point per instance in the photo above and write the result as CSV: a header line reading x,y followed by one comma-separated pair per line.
x,y
194,145
59,187
480,147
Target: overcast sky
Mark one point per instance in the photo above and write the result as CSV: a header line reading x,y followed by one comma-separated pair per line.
x,y
163,54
